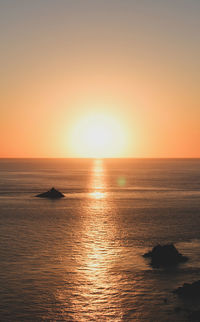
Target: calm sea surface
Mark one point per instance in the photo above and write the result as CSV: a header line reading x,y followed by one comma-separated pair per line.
x,y
80,258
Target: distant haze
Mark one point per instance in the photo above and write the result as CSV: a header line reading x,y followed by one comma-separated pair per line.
x,y
135,61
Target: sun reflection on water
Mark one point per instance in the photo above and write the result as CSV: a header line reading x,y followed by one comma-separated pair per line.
x,y
98,251
96,220
94,289
98,183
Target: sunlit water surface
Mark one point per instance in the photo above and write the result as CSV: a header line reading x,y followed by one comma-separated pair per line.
x,y
80,258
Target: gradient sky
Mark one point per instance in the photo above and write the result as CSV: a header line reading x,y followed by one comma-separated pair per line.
x,y
136,60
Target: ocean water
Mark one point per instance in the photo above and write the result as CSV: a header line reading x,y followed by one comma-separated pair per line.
x,y
80,258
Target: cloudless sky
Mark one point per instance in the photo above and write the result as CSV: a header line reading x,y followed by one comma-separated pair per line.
x,y
138,61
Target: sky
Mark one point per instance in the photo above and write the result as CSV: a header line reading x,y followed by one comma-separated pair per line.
x,y
134,63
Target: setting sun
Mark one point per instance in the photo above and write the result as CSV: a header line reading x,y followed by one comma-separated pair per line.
x,y
98,136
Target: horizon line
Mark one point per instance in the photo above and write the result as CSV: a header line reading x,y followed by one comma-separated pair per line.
x,y
97,158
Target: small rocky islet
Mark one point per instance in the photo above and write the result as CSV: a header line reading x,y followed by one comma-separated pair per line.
x,y
51,194
165,256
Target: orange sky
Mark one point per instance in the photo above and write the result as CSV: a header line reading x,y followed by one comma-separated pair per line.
x,y
137,62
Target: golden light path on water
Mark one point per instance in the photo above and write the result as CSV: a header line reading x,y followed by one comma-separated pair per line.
x,y
98,241
93,291
98,182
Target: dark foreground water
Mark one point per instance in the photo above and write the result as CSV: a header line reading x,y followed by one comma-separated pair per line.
x,y
80,258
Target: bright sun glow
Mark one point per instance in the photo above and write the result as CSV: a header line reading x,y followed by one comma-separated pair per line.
x,y
98,136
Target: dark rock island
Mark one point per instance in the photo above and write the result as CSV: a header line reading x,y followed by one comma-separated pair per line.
x,y
51,194
189,290
165,256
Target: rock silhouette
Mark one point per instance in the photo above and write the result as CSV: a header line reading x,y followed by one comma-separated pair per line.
x,y
189,290
51,194
165,256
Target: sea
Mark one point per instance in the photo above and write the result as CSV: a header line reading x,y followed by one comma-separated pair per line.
x,y
80,258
